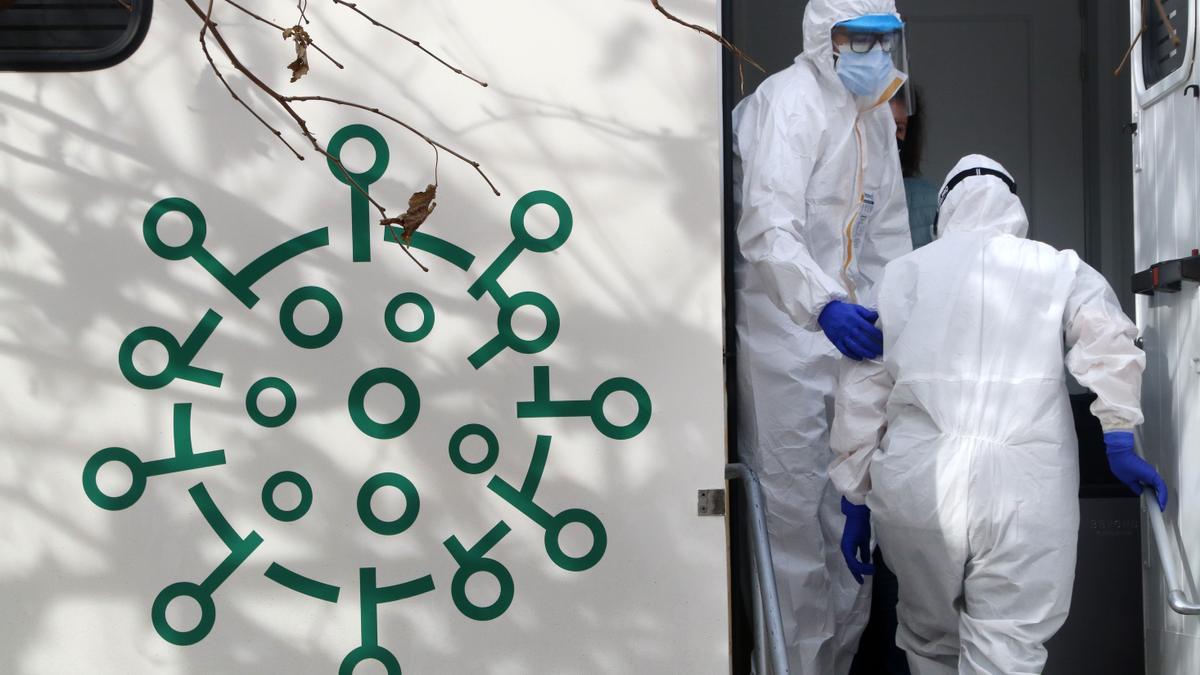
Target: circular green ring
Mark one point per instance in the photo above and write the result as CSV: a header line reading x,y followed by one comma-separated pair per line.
x,y
412,504
91,483
183,638
268,496
521,208
631,387
134,340
504,321
489,459
422,303
174,205
458,590
369,134
358,397
369,653
289,402
594,554
287,317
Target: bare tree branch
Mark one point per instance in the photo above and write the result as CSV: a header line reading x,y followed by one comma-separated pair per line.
x,y
220,76
300,122
729,46
376,111
287,103
354,8
1162,13
283,29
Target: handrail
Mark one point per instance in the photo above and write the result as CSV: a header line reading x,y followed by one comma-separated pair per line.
x,y
768,594
1176,597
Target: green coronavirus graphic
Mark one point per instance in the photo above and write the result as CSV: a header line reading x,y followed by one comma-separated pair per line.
x,y
185,361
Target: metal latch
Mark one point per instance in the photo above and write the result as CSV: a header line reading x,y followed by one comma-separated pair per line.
x,y
710,502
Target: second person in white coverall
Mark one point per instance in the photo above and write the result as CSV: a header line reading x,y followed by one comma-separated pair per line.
x,y
960,440
822,211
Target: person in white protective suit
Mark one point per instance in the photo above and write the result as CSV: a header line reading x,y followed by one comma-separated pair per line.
x,y
959,443
822,210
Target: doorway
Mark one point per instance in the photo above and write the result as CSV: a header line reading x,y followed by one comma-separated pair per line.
x,y
1031,84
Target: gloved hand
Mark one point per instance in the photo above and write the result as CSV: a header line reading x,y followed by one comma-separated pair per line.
x,y
851,328
856,539
1133,471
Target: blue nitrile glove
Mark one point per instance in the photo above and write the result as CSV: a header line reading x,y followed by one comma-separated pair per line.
x,y
1133,471
856,539
851,328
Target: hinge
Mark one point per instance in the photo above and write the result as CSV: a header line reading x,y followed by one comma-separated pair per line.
x,y
710,502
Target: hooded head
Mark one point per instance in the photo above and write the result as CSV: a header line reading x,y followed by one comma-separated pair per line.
x,y
820,16
980,203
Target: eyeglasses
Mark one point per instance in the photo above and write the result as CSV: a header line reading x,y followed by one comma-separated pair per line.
x,y
861,43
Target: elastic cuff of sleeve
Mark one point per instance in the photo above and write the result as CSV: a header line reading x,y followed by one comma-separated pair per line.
x,y
851,509
814,317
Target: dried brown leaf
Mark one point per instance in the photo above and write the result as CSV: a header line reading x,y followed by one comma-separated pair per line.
x,y
420,206
300,37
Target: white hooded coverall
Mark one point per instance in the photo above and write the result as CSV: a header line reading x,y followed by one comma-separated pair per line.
x,y
961,440
822,210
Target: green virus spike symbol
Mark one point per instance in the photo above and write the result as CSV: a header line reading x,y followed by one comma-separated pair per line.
x,y
473,449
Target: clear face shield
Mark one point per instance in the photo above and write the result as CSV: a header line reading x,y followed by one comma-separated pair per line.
x,y
875,38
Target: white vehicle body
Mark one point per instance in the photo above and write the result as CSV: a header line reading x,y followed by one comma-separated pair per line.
x,y
601,129
1167,227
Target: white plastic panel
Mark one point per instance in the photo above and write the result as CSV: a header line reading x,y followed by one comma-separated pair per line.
x,y
1167,208
605,104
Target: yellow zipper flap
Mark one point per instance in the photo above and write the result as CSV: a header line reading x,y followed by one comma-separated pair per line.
x,y
889,92
848,233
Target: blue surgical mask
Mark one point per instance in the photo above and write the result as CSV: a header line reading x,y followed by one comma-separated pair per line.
x,y
864,74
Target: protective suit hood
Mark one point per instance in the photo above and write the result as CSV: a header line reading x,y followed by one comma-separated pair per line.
x,y
981,203
820,16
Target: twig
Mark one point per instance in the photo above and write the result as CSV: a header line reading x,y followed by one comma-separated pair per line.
x,y
284,28
729,46
376,111
285,102
354,7
1136,38
280,99
1162,13
1128,53
220,76
390,224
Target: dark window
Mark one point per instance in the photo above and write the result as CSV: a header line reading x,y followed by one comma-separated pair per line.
x,y
70,34
1160,55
